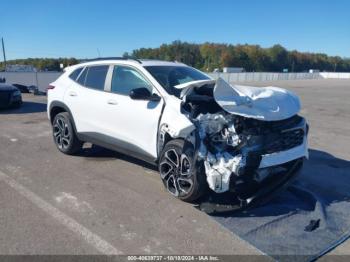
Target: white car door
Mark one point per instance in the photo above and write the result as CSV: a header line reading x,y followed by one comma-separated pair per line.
x,y
86,101
133,122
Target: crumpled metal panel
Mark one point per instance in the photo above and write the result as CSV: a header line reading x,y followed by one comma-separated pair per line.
x,y
263,103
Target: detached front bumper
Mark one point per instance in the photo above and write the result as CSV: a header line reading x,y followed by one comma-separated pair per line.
x,y
282,157
289,162
271,185
285,156
255,195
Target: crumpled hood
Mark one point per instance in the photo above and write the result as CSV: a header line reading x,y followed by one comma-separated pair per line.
x,y
263,103
187,87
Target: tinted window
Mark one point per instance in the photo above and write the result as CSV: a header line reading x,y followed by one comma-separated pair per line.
x,y
170,76
75,73
82,77
125,79
96,77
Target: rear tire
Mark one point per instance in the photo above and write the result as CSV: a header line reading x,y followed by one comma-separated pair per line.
x,y
64,135
181,177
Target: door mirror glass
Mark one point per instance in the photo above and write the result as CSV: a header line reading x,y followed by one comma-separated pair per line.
x,y
143,93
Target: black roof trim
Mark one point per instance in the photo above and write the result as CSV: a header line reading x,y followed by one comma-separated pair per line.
x,y
112,58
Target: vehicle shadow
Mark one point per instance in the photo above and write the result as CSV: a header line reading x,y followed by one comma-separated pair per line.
x,y
27,107
98,153
324,180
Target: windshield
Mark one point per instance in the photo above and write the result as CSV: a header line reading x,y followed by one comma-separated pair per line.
x,y
171,76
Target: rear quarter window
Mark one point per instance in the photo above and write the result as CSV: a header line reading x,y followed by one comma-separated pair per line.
x,y
82,77
74,75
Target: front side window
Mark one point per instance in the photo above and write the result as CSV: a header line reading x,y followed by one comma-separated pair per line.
x,y
170,76
96,76
125,79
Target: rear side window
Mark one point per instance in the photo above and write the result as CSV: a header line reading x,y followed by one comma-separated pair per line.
x,y
75,73
95,77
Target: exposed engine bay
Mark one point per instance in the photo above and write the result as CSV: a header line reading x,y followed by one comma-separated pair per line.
x,y
238,149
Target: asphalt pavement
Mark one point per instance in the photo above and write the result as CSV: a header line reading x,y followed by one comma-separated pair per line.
x,y
103,202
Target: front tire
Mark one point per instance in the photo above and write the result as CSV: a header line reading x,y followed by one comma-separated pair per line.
x,y
63,134
181,176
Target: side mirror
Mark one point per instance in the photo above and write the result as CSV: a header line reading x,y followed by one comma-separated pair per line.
x,y
143,94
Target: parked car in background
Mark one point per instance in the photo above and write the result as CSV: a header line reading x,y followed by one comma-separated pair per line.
x,y
22,88
10,96
203,134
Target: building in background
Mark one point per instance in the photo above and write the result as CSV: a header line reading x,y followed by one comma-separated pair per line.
x,y
233,69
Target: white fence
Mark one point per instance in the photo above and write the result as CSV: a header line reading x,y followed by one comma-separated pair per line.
x,y
261,76
335,75
42,79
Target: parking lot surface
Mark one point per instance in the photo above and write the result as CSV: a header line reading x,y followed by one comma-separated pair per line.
x,y
102,202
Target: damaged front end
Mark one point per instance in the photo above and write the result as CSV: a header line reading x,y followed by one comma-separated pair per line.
x,y
249,140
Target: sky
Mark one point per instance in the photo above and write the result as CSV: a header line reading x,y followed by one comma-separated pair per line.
x,y
87,29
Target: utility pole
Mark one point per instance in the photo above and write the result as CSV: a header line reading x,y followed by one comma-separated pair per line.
x,y
3,51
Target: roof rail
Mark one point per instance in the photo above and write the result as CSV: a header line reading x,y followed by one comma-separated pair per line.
x,y
112,58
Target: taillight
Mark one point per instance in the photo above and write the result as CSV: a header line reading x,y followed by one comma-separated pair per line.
x,y
50,87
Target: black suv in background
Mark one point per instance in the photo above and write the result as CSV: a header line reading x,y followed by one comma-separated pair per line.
x,y
10,96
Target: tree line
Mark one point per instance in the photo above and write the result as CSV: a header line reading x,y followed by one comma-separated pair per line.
x,y
210,56
252,58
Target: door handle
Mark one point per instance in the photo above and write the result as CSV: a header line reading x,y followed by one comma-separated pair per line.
x,y
72,93
112,102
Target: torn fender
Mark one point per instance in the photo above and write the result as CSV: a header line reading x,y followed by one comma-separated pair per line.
x,y
172,123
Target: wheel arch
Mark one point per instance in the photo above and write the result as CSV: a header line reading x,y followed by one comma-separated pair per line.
x,y
57,107
166,134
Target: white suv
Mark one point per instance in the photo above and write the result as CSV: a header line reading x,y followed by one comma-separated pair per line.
x,y
202,133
